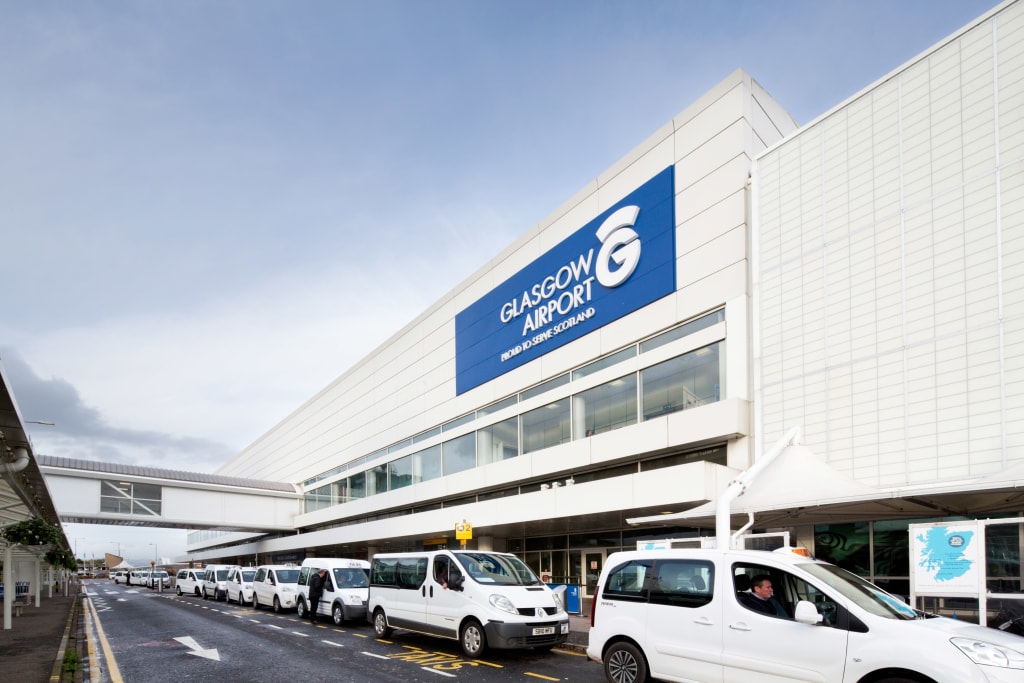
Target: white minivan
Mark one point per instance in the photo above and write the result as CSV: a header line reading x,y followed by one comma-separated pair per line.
x,y
482,599
274,585
346,588
683,615
189,582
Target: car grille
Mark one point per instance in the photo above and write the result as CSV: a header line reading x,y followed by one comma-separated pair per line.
x,y
537,611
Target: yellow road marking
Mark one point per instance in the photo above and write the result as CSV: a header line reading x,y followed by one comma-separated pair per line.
x,y
546,678
112,669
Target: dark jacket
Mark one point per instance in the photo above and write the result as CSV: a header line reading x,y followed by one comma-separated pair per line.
x,y
771,607
316,586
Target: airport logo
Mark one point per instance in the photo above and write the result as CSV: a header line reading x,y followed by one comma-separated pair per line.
x,y
622,260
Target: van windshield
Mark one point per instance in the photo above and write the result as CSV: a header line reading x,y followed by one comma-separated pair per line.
x,y
864,594
506,570
350,578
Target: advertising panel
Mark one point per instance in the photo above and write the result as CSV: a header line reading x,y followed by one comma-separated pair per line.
x,y
617,263
945,560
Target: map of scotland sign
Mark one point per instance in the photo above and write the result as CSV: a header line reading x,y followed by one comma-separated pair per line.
x,y
617,263
945,559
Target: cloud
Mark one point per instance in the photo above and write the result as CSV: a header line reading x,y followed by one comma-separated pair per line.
x,y
79,431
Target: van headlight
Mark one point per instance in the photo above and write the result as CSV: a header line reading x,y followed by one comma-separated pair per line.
x,y
989,654
503,603
559,601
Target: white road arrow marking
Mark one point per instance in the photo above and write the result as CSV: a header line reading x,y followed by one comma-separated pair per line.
x,y
195,649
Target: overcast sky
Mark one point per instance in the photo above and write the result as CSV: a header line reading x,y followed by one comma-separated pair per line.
x,y
210,210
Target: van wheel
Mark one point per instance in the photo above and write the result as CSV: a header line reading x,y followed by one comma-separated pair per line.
x,y
472,639
205,596
380,624
277,604
624,663
338,615
255,602
196,591
300,608
178,589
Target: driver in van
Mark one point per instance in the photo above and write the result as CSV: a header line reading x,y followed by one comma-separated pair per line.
x,y
442,574
761,597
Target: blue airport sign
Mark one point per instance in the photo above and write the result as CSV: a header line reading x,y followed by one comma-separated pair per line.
x,y
617,263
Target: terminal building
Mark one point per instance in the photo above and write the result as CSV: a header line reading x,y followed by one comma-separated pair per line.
x,y
737,274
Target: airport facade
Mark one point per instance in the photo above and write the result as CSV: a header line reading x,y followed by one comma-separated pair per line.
x,y
861,276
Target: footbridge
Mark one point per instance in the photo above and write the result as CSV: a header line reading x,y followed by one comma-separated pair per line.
x,y
88,492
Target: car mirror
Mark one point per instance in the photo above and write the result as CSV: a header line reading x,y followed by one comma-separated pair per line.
x,y
806,613
455,583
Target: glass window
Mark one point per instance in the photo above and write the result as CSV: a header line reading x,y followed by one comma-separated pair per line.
x,y
682,583
458,422
400,445
891,549
357,486
552,383
498,405
845,545
498,441
423,436
686,381
716,455
130,498
683,330
606,407
605,362
400,472
426,464
459,454
339,491
1002,558
546,426
377,480
628,581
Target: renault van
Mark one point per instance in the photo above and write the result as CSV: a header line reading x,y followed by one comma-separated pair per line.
x,y
238,586
482,599
346,588
692,615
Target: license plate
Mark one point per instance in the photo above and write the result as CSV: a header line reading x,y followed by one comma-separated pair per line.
x,y
544,631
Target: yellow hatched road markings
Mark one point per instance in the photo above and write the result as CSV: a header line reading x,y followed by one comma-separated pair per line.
x,y
115,673
546,678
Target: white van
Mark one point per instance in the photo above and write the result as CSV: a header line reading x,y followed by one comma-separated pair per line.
x,y
189,582
238,586
682,615
346,588
274,585
482,599
215,581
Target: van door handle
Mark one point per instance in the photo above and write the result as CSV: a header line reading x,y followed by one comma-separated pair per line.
x,y
704,621
740,627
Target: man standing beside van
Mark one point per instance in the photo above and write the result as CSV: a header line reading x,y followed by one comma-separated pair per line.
x,y
316,591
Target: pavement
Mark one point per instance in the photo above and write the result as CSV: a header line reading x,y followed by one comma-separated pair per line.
x,y
47,643
33,649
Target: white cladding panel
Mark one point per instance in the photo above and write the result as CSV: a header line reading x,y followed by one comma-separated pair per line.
x,y
889,264
408,384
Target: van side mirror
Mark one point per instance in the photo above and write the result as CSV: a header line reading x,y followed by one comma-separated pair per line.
x,y
455,583
806,613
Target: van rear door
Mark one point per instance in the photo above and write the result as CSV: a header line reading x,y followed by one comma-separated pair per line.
x,y
684,619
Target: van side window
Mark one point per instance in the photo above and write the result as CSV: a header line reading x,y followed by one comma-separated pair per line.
x,y
412,572
627,581
384,573
787,590
682,583
304,575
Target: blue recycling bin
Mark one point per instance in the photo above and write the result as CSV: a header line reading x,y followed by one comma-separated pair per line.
x,y
572,597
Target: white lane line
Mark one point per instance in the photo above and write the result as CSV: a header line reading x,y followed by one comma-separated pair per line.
x,y
331,642
304,635
439,673
370,654
272,626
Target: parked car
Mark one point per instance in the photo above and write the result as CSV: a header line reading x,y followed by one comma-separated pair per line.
x,y
275,586
239,585
156,578
215,581
120,576
707,615
189,582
